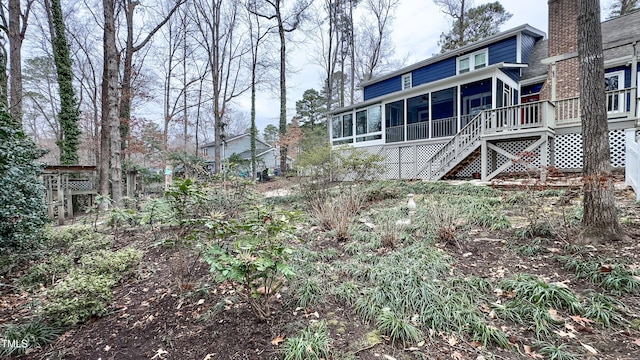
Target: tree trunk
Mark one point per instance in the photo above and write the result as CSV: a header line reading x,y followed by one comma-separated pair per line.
x,y
110,84
124,110
600,222
15,61
4,82
283,90
254,130
215,78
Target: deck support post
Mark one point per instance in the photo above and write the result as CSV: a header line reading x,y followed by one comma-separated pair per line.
x,y
544,164
60,200
484,160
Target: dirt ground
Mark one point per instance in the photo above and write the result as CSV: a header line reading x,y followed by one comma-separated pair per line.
x,y
152,317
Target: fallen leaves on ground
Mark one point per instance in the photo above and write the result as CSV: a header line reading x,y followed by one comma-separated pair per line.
x,y
277,340
589,348
159,354
581,320
531,353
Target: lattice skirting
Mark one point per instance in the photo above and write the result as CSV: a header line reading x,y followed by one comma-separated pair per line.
x,y
568,150
403,162
408,162
513,147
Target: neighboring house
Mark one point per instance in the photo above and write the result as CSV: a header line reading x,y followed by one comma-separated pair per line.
x,y
266,155
473,110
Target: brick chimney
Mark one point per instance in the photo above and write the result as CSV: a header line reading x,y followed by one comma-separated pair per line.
x,y
563,48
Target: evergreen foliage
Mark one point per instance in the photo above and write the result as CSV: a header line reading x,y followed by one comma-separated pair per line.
x,y
311,107
22,205
470,24
69,114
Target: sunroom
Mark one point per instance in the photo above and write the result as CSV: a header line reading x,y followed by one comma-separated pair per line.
x,y
429,112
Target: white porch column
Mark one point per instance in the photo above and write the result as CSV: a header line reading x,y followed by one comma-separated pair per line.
x,y
634,81
430,119
458,107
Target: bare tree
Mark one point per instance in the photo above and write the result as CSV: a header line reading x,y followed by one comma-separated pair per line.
x,y
130,49
258,35
336,36
286,22
88,76
375,51
178,76
217,22
110,138
16,27
600,221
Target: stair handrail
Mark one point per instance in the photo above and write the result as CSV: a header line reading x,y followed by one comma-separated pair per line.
x,y
466,137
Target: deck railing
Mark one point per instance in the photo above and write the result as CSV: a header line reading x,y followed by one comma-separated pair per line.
x,y
394,134
444,127
518,117
618,104
419,131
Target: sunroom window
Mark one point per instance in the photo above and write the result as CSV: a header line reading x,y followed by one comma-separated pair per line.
x,y
476,60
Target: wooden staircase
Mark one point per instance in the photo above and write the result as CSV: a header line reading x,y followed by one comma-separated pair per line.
x,y
502,123
465,143
463,164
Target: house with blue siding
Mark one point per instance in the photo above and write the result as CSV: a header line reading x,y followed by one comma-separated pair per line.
x,y
477,109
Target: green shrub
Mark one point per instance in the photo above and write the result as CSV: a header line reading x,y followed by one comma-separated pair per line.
x,y
89,243
309,293
382,190
616,278
114,264
29,335
542,294
78,297
555,352
606,310
23,212
62,237
259,258
311,344
397,328
47,273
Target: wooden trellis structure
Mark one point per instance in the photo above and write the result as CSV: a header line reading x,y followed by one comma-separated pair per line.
x,y
64,181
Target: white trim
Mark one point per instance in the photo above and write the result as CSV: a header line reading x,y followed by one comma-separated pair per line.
x,y
519,47
534,80
620,74
472,61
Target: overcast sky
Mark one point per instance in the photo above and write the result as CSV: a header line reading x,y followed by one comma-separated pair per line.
x,y
415,32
